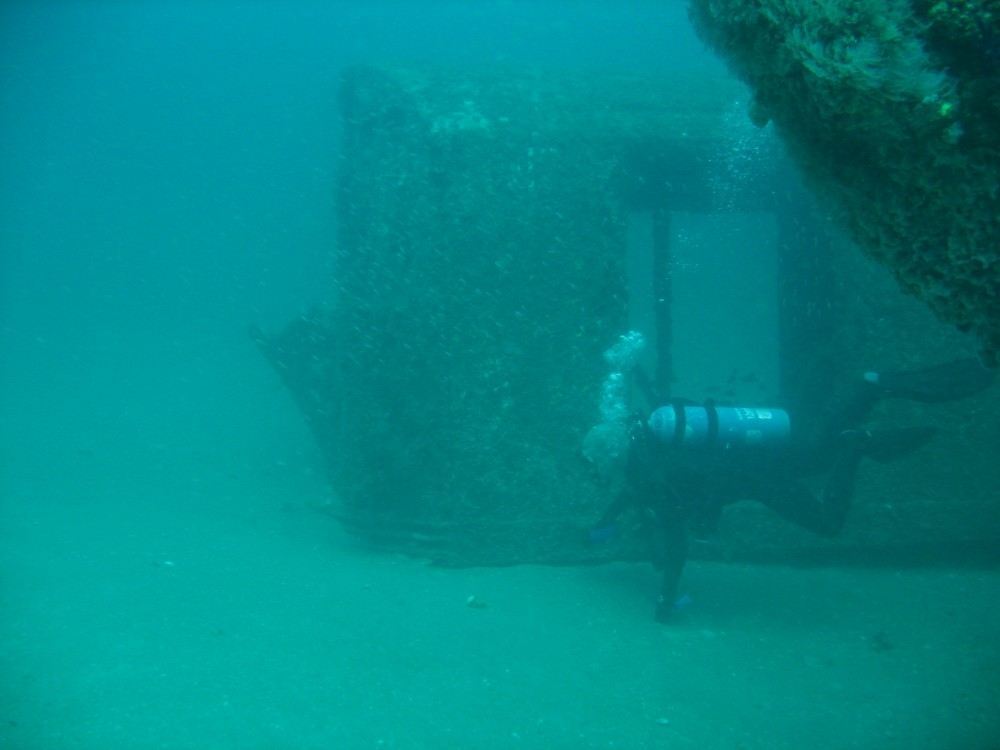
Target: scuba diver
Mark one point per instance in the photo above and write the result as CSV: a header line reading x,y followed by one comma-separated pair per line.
x,y
686,461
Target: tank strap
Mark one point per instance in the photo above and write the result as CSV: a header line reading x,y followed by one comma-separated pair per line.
x,y
713,421
680,420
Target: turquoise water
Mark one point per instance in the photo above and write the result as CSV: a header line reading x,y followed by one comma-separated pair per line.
x,y
167,582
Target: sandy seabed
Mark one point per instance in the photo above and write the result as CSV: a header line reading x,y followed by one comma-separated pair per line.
x,y
202,610
168,583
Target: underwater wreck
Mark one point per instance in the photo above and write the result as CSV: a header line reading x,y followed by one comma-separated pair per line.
x,y
892,111
500,229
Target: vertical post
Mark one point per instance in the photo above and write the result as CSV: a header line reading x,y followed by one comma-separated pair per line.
x,y
664,372
807,308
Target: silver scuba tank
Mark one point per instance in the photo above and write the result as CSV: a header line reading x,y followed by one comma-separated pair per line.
x,y
710,426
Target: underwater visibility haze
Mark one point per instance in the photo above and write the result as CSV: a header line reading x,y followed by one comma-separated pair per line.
x,y
357,359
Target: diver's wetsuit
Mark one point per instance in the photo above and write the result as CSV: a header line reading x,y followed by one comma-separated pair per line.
x,y
676,488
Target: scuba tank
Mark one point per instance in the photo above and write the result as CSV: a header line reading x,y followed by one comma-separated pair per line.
x,y
709,426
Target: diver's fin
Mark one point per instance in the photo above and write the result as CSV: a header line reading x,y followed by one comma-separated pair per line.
x,y
888,445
